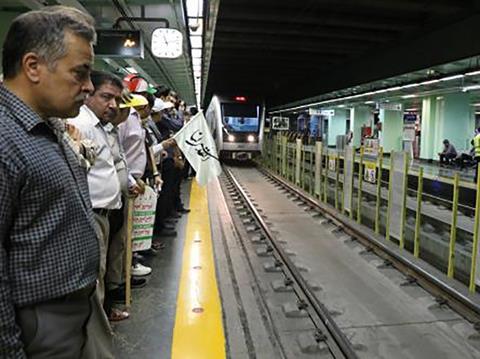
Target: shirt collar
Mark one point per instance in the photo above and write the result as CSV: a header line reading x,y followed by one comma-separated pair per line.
x,y
28,118
92,118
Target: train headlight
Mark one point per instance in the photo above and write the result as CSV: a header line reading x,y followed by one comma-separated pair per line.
x,y
250,138
231,138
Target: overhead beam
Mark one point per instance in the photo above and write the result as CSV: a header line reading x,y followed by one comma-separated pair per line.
x,y
413,6
319,32
311,19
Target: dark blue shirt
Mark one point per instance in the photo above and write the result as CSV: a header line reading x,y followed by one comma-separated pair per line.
x,y
48,245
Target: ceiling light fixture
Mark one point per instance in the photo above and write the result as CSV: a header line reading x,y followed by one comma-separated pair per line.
x,y
469,88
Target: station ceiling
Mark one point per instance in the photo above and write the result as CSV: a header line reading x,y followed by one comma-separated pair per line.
x,y
174,73
286,51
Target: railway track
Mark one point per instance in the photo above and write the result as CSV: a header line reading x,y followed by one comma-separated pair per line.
x,y
344,325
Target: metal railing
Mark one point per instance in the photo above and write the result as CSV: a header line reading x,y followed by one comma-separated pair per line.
x,y
318,172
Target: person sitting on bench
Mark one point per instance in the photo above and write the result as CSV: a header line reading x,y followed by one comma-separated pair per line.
x,y
449,153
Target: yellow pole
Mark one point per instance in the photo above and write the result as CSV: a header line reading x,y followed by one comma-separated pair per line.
x,y
379,191
453,228
344,182
128,253
352,182
325,182
404,201
337,179
318,169
473,270
418,220
360,184
390,177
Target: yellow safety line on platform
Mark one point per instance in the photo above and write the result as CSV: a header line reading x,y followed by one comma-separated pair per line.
x,y
198,331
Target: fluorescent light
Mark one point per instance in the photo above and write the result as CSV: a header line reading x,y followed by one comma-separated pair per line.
x,y
409,96
472,87
411,109
473,73
196,26
429,82
449,78
194,8
368,102
131,70
196,41
396,88
196,52
410,86
341,106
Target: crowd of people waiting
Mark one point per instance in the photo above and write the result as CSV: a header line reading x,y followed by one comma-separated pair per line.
x,y
75,146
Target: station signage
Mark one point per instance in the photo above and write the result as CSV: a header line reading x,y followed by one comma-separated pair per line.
x,y
280,123
391,106
319,112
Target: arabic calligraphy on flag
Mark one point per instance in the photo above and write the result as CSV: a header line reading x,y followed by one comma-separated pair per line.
x,y
198,147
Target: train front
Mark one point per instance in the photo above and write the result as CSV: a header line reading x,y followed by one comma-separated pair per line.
x,y
242,124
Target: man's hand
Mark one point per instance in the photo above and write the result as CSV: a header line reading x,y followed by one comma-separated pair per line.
x,y
138,188
74,134
158,183
168,143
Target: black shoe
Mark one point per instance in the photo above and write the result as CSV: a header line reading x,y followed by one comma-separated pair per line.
x,y
171,221
136,282
175,215
137,257
167,233
150,252
183,210
168,227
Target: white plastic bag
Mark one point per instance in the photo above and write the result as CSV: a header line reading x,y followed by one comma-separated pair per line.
x,y
143,220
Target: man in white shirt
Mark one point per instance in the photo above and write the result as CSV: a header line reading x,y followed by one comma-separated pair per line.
x,y
103,181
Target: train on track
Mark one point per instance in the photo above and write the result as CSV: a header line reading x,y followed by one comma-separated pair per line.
x,y
237,125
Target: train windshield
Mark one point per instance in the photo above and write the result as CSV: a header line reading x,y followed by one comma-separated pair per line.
x,y
241,117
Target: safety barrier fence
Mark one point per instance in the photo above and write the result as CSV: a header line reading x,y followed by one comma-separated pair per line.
x,y
390,200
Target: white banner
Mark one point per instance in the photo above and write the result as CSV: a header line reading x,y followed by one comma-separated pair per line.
x,y
198,147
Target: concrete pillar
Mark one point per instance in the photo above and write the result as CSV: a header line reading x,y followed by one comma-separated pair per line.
x,y
458,120
360,116
392,130
446,117
337,125
428,127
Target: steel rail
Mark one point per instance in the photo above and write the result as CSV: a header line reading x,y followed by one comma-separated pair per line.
x,y
337,342
436,282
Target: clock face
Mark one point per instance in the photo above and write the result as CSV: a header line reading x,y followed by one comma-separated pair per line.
x,y
167,43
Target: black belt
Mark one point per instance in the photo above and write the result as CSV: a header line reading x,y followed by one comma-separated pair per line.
x,y
83,293
102,211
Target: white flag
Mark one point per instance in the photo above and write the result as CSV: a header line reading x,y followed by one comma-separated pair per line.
x,y
198,147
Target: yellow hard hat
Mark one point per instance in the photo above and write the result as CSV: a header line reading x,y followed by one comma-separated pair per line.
x,y
134,101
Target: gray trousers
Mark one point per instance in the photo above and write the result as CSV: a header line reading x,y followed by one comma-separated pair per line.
x,y
103,232
99,341
57,328
115,275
